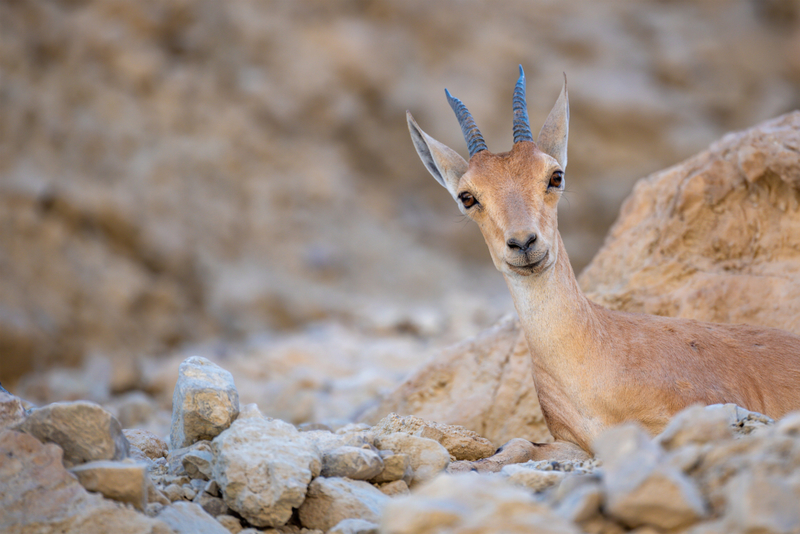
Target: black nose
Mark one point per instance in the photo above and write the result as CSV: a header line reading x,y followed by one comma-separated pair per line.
x,y
516,244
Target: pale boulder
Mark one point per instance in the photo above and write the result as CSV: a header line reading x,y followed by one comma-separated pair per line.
x,y
120,481
351,462
84,430
151,445
12,410
640,487
263,468
427,457
461,443
354,526
470,502
761,503
189,518
331,500
205,402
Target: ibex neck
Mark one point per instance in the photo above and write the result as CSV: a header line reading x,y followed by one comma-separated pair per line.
x,y
558,320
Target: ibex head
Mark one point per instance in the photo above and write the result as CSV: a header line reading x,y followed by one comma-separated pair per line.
x,y
512,195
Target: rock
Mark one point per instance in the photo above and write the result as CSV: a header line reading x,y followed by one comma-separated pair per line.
x,y
173,492
175,456
395,467
198,464
640,487
83,429
351,462
653,262
231,524
214,506
532,478
212,488
189,518
154,495
283,459
483,384
582,503
397,487
121,481
204,404
470,502
761,503
151,445
11,410
462,444
354,526
427,457
697,425
331,500
37,494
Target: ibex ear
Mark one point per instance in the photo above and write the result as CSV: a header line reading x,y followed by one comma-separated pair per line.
x,y
553,136
442,162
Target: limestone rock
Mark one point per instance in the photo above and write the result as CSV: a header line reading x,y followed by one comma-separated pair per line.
x,y
683,245
582,503
351,462
263,468
354,526
484,385
204,404
189,518
427,457
121,481
198,464
151,445
469,502
395,467
758,502
397,487
11,410
175,456
532,478
85,431
231,524
462,444
698,425
640,487
38,495
213,506
331,500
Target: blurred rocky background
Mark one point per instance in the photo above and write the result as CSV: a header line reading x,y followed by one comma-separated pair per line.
x,y
235,179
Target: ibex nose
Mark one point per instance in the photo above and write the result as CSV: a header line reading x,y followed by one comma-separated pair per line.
x,y
522,244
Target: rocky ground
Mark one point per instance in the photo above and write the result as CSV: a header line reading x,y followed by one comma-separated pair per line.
x,y
225,467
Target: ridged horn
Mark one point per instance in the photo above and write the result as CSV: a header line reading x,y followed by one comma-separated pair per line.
x,y
522,126
472,135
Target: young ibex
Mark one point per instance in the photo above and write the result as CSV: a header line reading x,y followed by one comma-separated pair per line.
x,y
594,367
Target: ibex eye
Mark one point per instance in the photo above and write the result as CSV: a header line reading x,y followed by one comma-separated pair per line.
x,y
556,180
467,199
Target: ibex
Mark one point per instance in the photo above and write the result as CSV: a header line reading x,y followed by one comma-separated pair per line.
x,y
594,367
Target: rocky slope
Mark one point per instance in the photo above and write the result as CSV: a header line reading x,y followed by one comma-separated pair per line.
x,y
175,170
227,468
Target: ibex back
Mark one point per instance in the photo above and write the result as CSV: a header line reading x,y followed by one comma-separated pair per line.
x,y
594,367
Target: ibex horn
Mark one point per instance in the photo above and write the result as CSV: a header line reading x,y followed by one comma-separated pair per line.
x,y
472,135
522,127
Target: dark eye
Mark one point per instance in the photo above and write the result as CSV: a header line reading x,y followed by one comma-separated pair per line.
x,y
556,180
467,199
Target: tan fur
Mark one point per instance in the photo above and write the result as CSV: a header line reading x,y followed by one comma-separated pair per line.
x,y
594,367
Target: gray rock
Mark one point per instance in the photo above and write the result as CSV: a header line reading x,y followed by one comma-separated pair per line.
x,y
263,468
189,518
84,430
173,492
120,481
175,457
396,466
354,526
641,488
204,404
198,464
428,457
331,500
37,495
582,503
214,506
761,503
351,462
529,476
